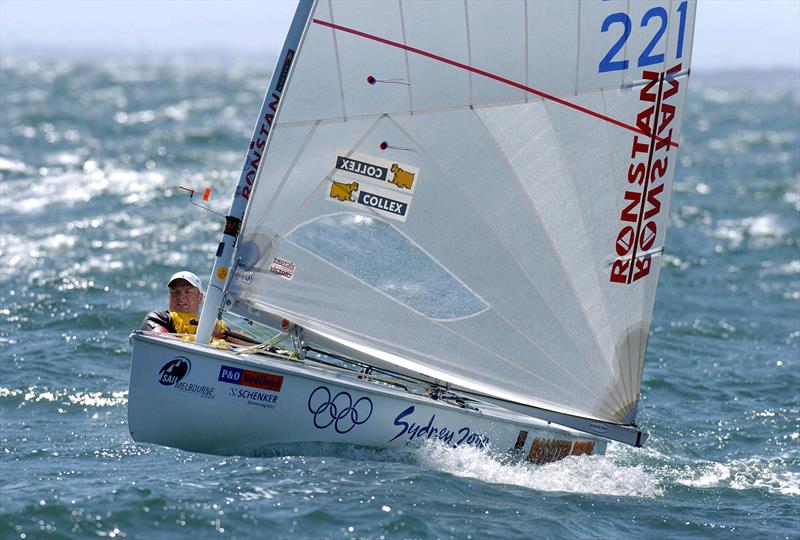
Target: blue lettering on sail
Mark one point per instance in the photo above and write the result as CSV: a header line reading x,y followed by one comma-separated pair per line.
x,y
431,430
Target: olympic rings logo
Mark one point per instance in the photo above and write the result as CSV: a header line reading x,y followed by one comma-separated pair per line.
x,y
338,410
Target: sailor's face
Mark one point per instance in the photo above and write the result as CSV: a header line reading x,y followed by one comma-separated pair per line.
x,y
183,296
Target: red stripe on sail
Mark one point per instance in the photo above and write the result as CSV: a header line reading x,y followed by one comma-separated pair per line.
x,y
486,74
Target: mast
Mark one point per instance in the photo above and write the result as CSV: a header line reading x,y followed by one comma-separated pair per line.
x,y
258,142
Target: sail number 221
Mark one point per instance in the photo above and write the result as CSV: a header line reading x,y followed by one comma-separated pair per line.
x,y
647,58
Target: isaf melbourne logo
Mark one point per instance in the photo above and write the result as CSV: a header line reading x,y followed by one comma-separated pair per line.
x,y
174,372
385,187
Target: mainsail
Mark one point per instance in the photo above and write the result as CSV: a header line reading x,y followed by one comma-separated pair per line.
x,y
474,191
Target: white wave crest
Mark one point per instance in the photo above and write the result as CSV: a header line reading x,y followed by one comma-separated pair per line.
x,y
74,188
599,475
65,397
764,229
751,473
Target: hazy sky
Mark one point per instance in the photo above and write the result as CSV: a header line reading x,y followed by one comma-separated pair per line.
x,y
728,33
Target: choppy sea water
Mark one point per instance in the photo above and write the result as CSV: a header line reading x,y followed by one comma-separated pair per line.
x,y
92,223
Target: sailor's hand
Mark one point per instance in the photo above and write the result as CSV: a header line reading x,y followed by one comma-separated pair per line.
x,y
220,328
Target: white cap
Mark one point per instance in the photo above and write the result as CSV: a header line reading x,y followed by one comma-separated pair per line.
x,y
187,276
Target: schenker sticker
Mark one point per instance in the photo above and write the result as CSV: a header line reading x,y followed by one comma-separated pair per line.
x,y
381,185
268,385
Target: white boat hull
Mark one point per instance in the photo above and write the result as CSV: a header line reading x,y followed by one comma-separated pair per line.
x,y
213,401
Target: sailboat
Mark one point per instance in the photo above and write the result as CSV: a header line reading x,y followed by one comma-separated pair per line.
x,y
455,212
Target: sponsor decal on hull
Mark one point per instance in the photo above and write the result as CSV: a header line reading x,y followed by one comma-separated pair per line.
x,y
338,411
175,371
436,430
254,397
550,450
267,385
599,427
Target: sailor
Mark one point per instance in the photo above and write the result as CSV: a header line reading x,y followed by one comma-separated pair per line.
x,y
185,301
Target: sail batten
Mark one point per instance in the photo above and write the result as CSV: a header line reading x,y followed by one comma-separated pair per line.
x,y
482,202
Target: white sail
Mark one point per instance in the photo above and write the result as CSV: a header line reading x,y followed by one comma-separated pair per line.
x,y
476,191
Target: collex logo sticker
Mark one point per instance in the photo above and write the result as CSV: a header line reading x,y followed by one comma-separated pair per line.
x,y
383,186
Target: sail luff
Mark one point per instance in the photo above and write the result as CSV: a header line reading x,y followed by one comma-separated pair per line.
x,y
219,279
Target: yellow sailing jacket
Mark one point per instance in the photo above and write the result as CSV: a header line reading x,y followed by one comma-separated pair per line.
x,y
186,323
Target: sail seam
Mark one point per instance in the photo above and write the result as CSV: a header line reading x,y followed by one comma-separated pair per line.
x,y
513,256
433,110
405,55
469,50
527,52
564,266
578,49
338,65
555,251
625,47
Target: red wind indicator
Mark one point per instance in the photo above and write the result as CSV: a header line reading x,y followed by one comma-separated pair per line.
x,y
206,196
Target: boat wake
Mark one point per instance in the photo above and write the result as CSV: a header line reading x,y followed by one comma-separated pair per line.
x,y
597,475
616,474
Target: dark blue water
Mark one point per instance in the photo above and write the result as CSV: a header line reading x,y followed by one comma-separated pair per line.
x,y
92,223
